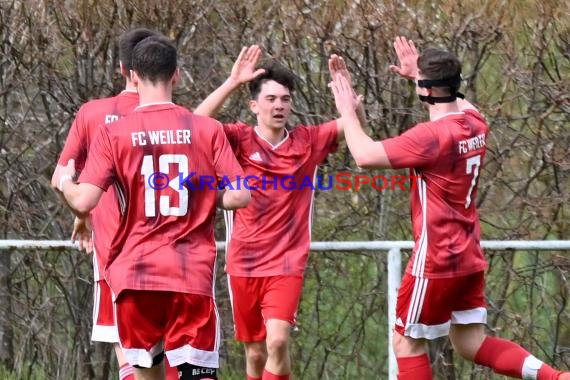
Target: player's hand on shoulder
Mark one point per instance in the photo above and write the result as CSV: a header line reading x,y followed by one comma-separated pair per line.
x,y
244,69
407,57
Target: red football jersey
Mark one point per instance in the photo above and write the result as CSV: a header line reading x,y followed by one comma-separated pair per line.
x,y
157,156
271,236
448,154
91,115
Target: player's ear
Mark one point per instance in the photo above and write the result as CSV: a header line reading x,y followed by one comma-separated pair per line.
x,y
123,69
253,106
176,76
134,77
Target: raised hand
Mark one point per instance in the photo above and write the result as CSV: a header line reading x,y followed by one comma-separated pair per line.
x,y
338,66
82,231
344,97
407,56
244,70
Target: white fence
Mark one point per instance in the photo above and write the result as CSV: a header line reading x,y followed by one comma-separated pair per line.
x,y
394,262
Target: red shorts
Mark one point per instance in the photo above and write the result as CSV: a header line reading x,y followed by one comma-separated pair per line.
x,y
185,325
104,328
258,299
426,308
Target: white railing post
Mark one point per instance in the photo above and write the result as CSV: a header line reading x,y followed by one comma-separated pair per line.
x,y
394,280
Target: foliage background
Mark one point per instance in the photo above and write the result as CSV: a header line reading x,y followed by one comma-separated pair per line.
x,y
56,54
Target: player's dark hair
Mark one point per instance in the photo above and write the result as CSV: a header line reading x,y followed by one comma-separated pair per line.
x,y
127,43
154,59
437,64
273,71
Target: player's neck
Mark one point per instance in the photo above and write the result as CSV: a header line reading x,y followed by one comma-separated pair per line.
x,y
273,135
151,94
438,110
129,85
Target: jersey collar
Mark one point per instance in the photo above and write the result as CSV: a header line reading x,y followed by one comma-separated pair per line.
x,y
153,104
273,147
448,114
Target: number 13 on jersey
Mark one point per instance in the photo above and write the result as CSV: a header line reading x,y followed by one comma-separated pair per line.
x,y
150,176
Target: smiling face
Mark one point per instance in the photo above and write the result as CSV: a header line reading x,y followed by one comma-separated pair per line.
x,y
272,105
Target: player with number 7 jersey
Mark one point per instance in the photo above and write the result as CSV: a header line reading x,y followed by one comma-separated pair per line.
x,y
447,154
443,289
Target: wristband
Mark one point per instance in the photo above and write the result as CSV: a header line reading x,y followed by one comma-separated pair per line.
x,y
62,180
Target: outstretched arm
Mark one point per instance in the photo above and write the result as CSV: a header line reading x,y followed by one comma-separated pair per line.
x,y
366,152
243,71
337,66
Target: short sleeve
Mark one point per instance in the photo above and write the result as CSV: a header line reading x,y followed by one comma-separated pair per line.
x,y
76,143
99,168
233,133
225,162
416,148
323,139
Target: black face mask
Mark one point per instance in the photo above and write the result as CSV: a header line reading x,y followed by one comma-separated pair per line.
x,y
452,83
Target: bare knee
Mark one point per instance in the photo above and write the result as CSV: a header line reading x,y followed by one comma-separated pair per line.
x,y
405,346
277,344
467,339
256,354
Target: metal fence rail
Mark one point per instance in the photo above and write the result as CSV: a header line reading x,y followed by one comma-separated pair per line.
x,y
393,248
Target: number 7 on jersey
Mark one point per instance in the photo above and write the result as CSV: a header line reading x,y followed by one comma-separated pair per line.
x,y
472,162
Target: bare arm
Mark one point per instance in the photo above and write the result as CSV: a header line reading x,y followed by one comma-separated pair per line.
x,y
243,71
337,66
231,197
81,198
366,152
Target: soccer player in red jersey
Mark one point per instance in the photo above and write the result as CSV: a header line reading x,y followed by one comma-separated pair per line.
x,y
161,261
442,292
105,217
269,245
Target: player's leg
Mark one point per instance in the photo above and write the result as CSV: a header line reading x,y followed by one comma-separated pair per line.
x,y
255,359
139,316
423,311
153,373
468,337
248,321
502,356
104,328
192,336
280,301
278,364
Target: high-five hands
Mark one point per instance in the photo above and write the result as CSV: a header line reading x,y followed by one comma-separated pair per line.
x,y
344,96
338,69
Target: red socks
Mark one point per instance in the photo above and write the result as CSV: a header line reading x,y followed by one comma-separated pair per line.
x,y
126,372
510,359
270,376
414,368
